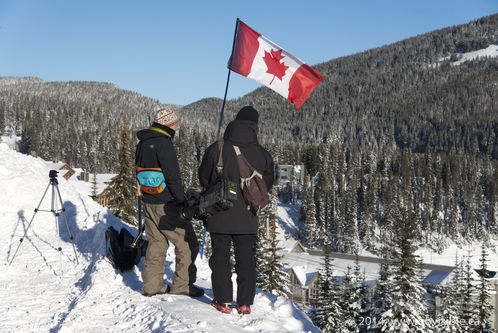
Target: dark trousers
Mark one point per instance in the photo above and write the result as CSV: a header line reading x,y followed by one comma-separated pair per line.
x,y
245,267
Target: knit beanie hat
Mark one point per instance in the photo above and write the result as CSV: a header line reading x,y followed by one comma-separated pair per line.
x,y
166,118
248,113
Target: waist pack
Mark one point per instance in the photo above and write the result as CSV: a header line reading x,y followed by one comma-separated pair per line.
x,y
151,180
252,185
119,249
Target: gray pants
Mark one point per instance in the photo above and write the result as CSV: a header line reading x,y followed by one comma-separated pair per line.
x,y
186,249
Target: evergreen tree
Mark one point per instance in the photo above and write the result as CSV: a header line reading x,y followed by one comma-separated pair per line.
x,y
122,188
484,292
470,315
352,297
383,297
492,196
448,318
272,277
312,231
329,315
260,257
94,186
351,236
2,119
408,310
303,213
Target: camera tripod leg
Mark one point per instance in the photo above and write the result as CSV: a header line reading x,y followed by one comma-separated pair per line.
x,y
66,221
29,225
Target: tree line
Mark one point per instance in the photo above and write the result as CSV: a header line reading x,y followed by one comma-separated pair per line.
x,y
392,96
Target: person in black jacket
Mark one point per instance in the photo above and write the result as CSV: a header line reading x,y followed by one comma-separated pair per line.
x,y
163,196
237,224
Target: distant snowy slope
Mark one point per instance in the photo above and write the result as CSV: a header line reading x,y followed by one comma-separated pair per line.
x,y
489,52
46,290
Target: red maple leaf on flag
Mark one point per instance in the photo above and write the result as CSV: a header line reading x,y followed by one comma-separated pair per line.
x,y
275,67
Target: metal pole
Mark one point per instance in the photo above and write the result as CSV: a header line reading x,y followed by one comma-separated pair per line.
x,y
228,80
203,241
141,227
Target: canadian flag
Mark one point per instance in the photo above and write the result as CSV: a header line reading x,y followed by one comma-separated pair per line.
x,y
258,58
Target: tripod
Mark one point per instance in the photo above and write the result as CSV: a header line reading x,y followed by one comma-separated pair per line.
x,y
53,208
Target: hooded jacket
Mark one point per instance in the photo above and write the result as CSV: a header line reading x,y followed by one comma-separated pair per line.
x,y
242,133
155,150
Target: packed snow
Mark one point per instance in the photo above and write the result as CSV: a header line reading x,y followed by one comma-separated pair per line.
x,y
46,290
43,289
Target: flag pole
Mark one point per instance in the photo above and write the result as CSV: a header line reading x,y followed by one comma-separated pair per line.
x,y
228,79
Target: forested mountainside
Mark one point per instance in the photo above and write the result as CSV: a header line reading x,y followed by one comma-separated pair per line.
x,y
392,96
75,122
391,132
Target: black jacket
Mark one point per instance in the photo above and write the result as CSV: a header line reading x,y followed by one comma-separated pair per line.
x,y
242,133
155,150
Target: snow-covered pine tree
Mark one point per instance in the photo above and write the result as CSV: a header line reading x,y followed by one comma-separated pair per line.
x,y
408,310
122,188
303,212
382,299
391,210
366,221
272,277
470,315
94,186
259,256
353,293
328,315
351,235
484,292
492,196
448,318
480,224
312,233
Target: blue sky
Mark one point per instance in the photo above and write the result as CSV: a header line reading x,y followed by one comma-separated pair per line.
x,y
177,51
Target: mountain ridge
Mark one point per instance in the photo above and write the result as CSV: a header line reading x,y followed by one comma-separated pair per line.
x,y
385,96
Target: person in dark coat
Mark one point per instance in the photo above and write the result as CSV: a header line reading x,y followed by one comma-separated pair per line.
x,y
163,197
237,225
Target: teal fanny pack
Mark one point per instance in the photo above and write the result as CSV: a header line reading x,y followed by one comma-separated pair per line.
x,y
151,180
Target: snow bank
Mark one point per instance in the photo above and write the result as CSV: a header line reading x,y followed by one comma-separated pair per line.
x,y
44,289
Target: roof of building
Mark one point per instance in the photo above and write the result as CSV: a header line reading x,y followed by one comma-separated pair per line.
x,y
303,274
437,277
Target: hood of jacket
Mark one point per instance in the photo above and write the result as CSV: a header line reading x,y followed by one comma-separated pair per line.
x,y
148,133
241,132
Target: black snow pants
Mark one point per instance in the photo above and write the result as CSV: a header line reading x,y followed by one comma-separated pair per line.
x,y
245,268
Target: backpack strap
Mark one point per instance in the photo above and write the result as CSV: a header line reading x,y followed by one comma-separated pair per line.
x,y
237,150
245,165
219,165
246,170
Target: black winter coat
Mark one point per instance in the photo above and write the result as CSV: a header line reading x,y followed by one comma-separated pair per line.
x,y
155,150
242,133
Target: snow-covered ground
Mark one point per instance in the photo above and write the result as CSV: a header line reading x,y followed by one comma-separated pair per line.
x,y
46,290
490,52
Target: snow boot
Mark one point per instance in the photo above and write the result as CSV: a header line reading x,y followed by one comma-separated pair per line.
x,y
224,307
243,309
193,291
164,290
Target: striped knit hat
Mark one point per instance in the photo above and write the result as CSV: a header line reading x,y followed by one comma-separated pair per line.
x,y
166,117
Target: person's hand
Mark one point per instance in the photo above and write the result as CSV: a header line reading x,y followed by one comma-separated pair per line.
x,y
188,212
